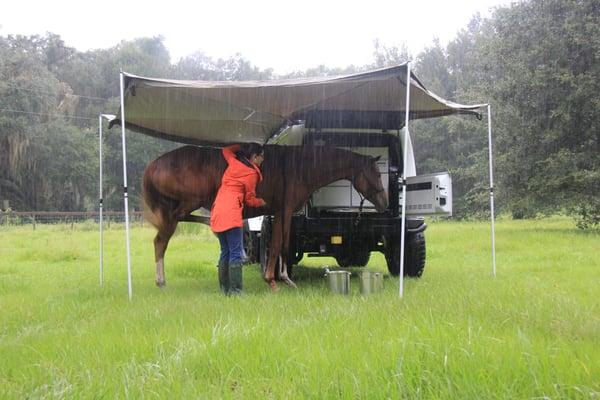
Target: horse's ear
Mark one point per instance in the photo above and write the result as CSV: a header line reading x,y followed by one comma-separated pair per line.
x,y
376,158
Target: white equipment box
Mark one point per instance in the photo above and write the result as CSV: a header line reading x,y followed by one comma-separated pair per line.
x,y
429,194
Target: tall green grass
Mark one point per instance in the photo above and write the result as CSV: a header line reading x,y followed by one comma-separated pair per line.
x,y
533,331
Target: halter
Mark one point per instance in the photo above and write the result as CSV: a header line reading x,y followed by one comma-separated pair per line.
x,y
358,217
372,193
362,201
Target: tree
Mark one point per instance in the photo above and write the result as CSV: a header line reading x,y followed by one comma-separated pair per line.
x,y
546,55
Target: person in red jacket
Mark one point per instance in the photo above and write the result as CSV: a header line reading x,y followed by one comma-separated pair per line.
x,y
238,188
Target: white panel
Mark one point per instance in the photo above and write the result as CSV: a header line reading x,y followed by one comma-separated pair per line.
x,y
255,224
411,169
433,195
332,196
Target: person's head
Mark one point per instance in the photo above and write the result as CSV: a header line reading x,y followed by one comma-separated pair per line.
x,y
253,152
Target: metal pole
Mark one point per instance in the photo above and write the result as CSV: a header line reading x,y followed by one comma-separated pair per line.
x,y
489,112
100,203
125,200
403,183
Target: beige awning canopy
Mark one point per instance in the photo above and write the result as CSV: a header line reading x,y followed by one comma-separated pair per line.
x,y
209,112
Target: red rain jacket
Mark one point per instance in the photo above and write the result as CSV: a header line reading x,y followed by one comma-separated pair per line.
x,y
238,187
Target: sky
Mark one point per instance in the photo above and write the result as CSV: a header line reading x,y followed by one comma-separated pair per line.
x,y
285,36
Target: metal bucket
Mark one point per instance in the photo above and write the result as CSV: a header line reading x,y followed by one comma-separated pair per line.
x,y
371,282
339,281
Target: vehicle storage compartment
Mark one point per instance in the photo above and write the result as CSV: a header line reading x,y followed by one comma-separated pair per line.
x,y
340,194
334,223
429,194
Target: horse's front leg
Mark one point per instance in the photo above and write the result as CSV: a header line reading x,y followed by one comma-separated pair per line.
x,y
287,226
274,251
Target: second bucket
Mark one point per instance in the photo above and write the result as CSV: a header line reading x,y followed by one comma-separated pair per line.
x,y
371,282
339,281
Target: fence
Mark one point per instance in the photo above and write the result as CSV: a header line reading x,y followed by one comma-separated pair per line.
x,y
67,218
75,220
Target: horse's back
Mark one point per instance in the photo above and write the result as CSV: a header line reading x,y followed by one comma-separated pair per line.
x,y
185,156
188,173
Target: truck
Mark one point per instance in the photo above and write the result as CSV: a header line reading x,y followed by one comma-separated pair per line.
x,y
336,222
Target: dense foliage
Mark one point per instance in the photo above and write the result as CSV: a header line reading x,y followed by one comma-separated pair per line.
x,y
537,62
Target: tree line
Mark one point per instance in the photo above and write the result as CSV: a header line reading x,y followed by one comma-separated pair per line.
x,y
537,62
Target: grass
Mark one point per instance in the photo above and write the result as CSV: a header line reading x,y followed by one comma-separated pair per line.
x,y
531,332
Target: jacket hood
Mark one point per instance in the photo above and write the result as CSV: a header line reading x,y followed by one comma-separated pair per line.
x,y
242,170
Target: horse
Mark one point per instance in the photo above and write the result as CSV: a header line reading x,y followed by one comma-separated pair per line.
x,y
188,178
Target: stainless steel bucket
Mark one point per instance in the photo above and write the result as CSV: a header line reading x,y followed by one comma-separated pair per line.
x,y
371,282
339,281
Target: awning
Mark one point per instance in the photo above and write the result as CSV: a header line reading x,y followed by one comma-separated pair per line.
x,y
210,112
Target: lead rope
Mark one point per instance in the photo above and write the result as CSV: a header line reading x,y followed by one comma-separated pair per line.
x,y
358,217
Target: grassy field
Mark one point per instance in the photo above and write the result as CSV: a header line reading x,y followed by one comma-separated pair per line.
x,y
531,332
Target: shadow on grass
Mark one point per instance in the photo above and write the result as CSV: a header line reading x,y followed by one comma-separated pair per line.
x,y
316,275
308,274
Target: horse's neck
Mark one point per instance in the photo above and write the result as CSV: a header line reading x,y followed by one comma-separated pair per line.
x,y
334,166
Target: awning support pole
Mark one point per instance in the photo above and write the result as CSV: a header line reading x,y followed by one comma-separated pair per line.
x,y
100,205
122,82
489,113
403,183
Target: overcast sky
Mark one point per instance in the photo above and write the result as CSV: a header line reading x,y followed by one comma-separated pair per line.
x,y
283,35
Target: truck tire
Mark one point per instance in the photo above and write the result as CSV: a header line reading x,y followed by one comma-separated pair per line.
x,y
265,240
353,259
414,255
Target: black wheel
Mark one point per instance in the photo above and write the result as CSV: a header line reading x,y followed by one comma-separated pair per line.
x,y
265,241
251,245
353,259
414,255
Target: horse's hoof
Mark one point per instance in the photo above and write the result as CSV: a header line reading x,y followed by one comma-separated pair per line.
x,y
273,286
291,283
161,285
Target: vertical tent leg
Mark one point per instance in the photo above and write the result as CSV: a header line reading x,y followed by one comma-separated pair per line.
x,y
403,183
125,199
489,113
100,205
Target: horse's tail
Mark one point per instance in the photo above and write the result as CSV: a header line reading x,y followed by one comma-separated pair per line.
x,y
151,199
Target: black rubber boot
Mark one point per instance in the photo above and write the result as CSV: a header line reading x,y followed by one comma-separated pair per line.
x,y
224,276
235,278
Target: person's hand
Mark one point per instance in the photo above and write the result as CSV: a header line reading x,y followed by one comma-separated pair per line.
x,y
264,203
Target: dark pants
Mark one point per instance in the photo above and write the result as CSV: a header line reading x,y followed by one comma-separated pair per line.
x,y
231,246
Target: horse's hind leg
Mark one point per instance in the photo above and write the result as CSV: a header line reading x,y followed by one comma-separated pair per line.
x,y
161,241
274,251
170,218
287,226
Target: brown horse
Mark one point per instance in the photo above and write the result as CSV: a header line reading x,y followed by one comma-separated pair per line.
x,y
185,179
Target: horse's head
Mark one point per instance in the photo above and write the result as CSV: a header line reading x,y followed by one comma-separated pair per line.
x,y
367,181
